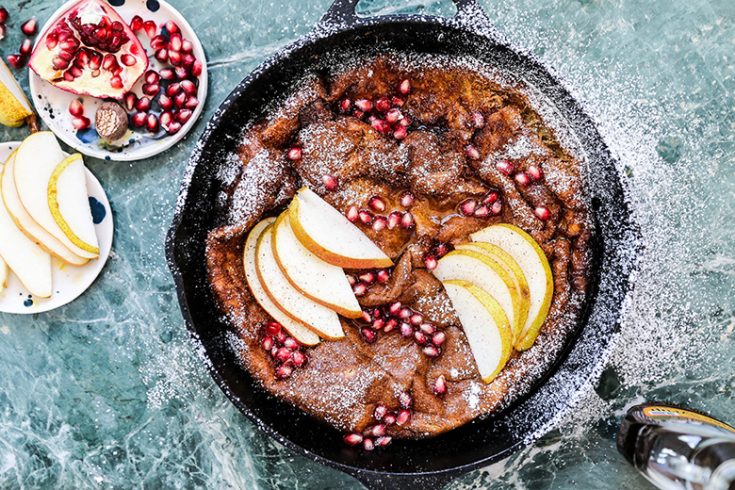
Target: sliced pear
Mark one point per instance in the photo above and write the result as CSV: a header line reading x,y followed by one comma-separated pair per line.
x,y
27,260
485,326
35,162
27,224
3,274
485,273
298,330
68,200
532,260
507,262
14,106
320,319
330,236
318,280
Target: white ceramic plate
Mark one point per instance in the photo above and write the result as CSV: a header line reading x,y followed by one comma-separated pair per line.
x,y
69,282
52,104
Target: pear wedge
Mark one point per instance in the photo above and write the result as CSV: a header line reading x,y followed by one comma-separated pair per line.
x,y
35,162
68,200
485,326
27,260
318,280
27,224
14,106
320,319
532,260
298,330
329,235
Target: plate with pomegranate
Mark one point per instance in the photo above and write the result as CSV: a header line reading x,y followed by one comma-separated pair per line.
x,y
120,81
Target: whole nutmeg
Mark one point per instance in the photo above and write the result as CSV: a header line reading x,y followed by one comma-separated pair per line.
x,y
111,121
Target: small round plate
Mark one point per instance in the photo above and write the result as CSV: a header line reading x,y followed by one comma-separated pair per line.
x,y
69,282
52,104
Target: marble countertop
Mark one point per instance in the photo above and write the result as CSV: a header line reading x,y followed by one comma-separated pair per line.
x,y
108,393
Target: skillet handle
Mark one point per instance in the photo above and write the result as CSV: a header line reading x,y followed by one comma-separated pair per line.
x,y
377,481
343,12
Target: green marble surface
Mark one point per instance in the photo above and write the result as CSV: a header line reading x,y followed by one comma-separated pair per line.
x,y
107,392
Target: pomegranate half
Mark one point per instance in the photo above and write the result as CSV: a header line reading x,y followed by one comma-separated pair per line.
x,y
90,50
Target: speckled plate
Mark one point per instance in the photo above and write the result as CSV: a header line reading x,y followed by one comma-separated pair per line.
x,y
52,103
69,282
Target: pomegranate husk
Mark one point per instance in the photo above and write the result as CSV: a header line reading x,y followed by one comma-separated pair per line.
x,y
90,43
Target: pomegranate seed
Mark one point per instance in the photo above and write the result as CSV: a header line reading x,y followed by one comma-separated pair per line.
x,y
175,42
431,351
165,102
397,101
405,400
490,197
29,27
274,350
299,358
351,279
143,104
25,47
364,105
273,328
367,444
150,29
76,108
369,335
380,223
390,325
366,315
283,371
345,105
367,278
394,219
441,250
136,23
419,337
405,122
383,276
407,220
406,330
400,133
358,114
352,213
382,104
174,57
404,87
3,32
395,308
378,430
472,152
130,99
80,123
378,324
359,289
162,55
478,120
183,115
181,72
365,216
383,441
187,46
380,412
535,173
196,68
151,123
139,119
440,386
393,116
352,439
151,89
467,207
171,27
380,126
267,343
438,338
497,208
427,328
294,154
430,263
4,16
403,417
522,179
167,74
281,336
173,89
15,60
542,212
504,166
377,204
152,77
188,87
128,60
283,354
407,200
291,343
330,182
416,319
405,313
482,212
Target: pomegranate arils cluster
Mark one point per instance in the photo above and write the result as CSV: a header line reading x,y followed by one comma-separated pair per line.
x,y
362,282
287,352
488,205
375,434
29,28
384,114
79,121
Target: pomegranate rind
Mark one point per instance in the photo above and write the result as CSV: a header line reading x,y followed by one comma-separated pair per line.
x,y
101,85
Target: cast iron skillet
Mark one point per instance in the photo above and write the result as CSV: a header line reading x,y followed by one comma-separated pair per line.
x,y
403,464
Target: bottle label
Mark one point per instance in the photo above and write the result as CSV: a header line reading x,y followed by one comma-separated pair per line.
x,y
668,412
